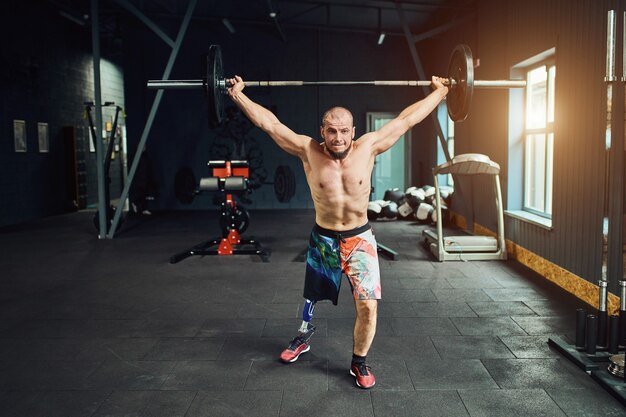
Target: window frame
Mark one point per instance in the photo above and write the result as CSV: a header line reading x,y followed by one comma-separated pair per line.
x,y
548,132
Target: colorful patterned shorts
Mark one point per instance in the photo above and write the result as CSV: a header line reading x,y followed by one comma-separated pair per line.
x,y
331,254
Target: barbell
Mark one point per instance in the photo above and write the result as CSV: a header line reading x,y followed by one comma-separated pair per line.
x,y
460,81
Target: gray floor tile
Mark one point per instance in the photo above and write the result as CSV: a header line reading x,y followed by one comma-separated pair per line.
x,y
185,348
510,402
450,374
51,403
257,349
412,403
587,402
231,328
529,347
532,373
443,309
146,404
545,325
486,326
407,295
502,308
301,376
423,326
514,294
208,375
327,404
421,283
45,375
130,375
403,348
478,281
470,347
242,403
460,294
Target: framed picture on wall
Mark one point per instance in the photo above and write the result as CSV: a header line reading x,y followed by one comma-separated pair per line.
x,y
19,135
42,134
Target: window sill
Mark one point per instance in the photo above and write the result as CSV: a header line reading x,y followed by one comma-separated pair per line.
x,y
530,218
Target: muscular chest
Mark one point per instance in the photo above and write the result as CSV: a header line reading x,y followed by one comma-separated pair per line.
x,y
349,176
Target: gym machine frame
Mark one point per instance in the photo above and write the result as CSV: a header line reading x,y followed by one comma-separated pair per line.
x,y
229,177
467,247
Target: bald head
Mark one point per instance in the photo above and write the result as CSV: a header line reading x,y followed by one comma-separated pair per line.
x,y
337,115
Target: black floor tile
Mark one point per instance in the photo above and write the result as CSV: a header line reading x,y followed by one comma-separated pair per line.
x,y
587,402
185,348
303,376
411,403
229,403
327,404
443,309
208,375
51,403
532,373
450,374
510,402
501,308
471,347
130,375
92,327
485,326
146,404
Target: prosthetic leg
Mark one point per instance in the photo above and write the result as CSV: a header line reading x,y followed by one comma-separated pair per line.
x,y
300,343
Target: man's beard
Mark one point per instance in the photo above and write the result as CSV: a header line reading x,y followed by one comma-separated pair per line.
x,y
340,155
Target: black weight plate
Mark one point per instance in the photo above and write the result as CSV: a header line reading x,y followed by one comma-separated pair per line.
x,y
214,94
284,183
461,75
240,218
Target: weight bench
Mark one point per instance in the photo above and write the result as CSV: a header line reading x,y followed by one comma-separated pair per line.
x,y
229,178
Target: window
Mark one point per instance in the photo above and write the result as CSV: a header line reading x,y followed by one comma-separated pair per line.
x,y
539,138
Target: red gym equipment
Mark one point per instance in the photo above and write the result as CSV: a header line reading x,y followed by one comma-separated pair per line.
x,y
229,178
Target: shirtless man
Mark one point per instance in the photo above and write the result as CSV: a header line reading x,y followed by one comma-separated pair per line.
x,y
338,172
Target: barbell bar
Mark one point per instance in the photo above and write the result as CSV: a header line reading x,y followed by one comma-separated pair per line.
x,y
460,75
199,84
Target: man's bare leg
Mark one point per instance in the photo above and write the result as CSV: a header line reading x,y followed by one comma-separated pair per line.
x,y
364,326
364,331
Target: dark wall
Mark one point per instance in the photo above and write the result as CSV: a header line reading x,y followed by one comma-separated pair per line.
x,y
46,75
505,34
180,135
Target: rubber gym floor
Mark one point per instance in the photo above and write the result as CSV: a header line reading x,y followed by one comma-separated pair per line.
x,y
94,327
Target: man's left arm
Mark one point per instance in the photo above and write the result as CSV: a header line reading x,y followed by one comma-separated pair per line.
x,y
388,135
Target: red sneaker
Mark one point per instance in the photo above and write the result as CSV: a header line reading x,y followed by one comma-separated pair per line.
x,y
297,347
362,373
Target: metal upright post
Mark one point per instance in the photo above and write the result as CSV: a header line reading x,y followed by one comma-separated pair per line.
x,y
155,105
95,42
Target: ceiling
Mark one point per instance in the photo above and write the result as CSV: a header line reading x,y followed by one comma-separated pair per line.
x,y
424,18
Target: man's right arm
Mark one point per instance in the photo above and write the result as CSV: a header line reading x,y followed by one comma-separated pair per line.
x,y
264,119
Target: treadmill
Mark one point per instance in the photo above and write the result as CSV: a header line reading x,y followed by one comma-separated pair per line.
x,y
467,247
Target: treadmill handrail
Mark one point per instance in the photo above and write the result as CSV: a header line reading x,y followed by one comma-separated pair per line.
x,y
468,164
